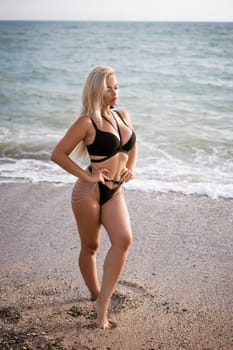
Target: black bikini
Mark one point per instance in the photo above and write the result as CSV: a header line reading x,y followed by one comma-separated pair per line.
x,y
107,145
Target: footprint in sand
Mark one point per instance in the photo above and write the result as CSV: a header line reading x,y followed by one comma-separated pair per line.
x,y
133,295
9,314
129,295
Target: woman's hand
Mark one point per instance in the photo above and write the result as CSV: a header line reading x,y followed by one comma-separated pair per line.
x,y
126,175
99,175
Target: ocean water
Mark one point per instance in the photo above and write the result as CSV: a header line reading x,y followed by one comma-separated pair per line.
x,y
176,81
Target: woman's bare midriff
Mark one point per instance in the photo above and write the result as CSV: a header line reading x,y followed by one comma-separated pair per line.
x,y
114,165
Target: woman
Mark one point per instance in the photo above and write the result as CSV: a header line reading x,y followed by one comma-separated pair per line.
x,y
97,197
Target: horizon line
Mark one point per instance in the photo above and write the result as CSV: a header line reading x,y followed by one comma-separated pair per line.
x,y
113,20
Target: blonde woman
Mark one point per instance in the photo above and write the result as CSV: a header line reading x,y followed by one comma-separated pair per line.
x,y
97,197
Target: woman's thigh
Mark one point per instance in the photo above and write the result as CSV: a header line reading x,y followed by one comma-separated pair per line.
x,y
87,215
115,218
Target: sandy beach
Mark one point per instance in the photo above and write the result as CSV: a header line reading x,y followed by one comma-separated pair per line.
x,y
176,291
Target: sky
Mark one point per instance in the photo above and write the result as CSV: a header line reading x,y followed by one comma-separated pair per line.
x,y
153,10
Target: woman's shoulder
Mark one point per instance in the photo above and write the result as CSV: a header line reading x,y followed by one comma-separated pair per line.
x,y
83,121
83,118
81,125
124,115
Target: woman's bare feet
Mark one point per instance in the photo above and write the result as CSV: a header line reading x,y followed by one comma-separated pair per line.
x,y
102,316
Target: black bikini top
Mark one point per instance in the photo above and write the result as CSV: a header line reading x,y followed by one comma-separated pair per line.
x,y
107,144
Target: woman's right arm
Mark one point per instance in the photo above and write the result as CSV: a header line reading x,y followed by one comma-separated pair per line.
x,y
78,132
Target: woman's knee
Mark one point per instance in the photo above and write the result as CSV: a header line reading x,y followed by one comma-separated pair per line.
x,y
128,240
89,248
123,241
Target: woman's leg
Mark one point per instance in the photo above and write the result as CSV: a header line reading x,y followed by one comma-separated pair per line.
x,y
87,215
115,219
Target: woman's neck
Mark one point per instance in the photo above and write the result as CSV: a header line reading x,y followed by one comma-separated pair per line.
x,y
106,111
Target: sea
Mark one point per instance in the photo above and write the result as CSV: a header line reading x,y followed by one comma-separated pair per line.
x,y
175,79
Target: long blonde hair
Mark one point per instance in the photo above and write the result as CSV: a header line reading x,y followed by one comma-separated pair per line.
x,y
93,91
92,99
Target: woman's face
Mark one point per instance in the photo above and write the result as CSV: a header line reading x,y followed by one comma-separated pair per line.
x,y
111,91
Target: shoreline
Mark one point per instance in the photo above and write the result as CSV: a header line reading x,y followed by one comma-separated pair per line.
x,y
175,291
127,188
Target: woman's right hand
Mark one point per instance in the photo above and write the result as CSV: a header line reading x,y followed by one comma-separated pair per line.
x,y
99,175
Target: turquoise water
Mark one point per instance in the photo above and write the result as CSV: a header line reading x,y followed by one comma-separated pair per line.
x,y
176,80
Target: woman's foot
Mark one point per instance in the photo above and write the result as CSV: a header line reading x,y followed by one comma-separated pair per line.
x,y
102,316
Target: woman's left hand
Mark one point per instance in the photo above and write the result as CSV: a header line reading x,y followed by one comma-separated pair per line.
x,y
126,175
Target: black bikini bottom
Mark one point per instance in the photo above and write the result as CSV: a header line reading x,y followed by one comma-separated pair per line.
x,y
107,193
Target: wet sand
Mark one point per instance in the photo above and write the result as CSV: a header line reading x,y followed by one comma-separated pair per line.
x,y
176,291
